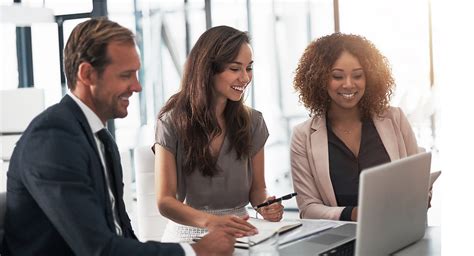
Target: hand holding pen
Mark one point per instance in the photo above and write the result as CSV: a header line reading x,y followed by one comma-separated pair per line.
x,y
272,209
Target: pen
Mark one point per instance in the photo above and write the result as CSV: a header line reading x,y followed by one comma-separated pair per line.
x,y
267,203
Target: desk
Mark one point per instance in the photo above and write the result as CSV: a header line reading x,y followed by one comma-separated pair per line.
x,y
430,245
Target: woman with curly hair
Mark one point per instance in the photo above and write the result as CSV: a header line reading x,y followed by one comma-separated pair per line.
x,y
209,149
346,84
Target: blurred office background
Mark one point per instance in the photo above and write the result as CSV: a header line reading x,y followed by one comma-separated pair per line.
x,y
410,33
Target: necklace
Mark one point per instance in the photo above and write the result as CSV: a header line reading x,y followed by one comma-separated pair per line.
x,y
345,131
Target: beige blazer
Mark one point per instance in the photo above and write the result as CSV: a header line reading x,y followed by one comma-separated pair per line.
x,y
310,160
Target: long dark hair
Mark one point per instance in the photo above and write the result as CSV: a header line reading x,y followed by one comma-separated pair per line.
x,y
192,109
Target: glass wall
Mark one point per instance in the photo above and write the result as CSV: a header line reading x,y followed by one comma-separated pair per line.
x,y
401,31
8,60
280,31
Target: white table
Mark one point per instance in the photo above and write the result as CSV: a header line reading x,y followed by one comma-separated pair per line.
x,y
429,245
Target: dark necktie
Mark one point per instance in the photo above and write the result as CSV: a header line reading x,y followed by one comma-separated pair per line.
x,y
112,161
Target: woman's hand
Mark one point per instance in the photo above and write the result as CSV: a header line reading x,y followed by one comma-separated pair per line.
x,y
273,212
237,226
430,195
354,214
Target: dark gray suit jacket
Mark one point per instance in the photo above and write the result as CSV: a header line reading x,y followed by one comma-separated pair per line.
x,y
57,201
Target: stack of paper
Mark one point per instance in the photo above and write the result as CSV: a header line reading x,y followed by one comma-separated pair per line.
x,y
266,229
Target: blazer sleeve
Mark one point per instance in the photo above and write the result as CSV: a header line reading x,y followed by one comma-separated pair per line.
x,y
309,199
57,163
408,135
409,138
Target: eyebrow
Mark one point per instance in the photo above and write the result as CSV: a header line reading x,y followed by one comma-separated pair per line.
x,y
128,71
239,63
339,69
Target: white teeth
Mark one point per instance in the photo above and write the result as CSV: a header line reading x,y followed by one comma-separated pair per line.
x,y
347,95
238,88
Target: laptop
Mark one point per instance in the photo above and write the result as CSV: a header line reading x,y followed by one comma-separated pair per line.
x,y
393,202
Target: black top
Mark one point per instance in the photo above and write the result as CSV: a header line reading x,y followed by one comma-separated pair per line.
x,y
345,167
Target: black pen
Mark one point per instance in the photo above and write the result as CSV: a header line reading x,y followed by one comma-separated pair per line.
x,y
267,203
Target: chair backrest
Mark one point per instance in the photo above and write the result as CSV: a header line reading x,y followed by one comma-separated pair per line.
x,y
151,224
126,161
17,108
3,209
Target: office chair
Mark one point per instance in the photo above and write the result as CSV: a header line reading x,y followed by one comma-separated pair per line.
x,y
3,209
127,166
17,108
151,224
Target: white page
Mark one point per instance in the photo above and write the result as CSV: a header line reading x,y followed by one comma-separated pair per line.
x,y
267,228
310,227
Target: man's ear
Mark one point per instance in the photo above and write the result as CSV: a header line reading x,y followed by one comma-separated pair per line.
x,y
86,74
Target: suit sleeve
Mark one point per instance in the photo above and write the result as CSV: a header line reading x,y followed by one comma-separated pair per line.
x,y
58,161
309,199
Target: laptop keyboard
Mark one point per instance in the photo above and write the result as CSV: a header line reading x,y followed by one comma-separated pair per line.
x,y
346,249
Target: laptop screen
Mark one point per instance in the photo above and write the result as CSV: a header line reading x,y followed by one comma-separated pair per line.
x,y
393,203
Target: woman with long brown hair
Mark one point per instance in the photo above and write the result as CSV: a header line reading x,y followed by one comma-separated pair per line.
x,y
209,146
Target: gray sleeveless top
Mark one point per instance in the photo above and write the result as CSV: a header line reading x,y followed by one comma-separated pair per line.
x,y
227,189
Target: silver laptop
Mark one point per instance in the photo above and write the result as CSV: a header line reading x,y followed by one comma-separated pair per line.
x,y
393,202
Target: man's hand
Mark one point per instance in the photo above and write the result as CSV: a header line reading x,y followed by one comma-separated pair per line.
x,y
215,243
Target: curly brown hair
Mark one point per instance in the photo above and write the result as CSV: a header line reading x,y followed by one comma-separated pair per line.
x,y
314,68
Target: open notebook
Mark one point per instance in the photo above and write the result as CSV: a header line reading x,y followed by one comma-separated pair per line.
x,y
266,229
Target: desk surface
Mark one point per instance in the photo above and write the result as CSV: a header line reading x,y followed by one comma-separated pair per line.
x,y
429,245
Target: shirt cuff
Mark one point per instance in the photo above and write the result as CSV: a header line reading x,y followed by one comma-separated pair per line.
x,y
188,250
346,213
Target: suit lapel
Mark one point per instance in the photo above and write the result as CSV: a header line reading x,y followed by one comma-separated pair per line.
x,y
319,158
318,143
117,175
82,120
388,136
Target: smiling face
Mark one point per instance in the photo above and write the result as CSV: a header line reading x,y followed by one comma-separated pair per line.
x,y
230,84
346,83
113,88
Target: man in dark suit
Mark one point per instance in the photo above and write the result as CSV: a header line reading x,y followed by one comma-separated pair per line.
x,y
64,188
